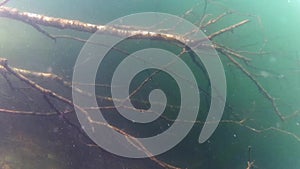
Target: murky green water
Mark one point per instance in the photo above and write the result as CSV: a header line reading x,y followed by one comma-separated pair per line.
x,y
48,142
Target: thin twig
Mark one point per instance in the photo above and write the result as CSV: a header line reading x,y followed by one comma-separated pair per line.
x,y
18,112
48,93
228,29
214,20
232,52
8,81
39,29
259,86
250,163
62,115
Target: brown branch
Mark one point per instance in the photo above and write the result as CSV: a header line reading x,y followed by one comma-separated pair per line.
x,y
37,20
263,130
258,85
214,20
296,113
39,29
4,63
232,52
18,112
61,23
48,93
89,41
41,75
60,80
250,164
228,29
86,27
65,119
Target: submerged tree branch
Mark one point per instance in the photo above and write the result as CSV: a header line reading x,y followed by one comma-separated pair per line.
x,y
37,20
60,23
229,28
259,86
48,93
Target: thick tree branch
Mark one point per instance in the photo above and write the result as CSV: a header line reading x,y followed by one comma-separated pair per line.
x,y
60,23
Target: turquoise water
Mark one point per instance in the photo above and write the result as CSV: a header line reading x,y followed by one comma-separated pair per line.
x,y
42,142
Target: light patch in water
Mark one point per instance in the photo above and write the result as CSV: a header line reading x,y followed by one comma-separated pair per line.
x,y
264,74
273,59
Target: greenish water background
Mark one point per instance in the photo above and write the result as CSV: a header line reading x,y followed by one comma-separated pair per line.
x,y
276,21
